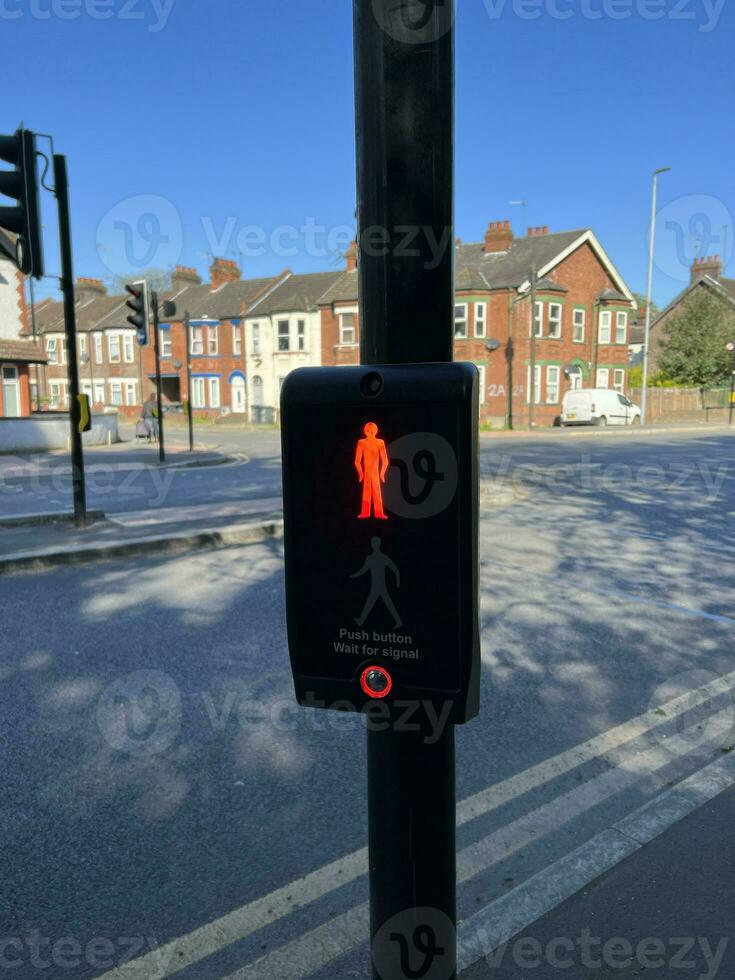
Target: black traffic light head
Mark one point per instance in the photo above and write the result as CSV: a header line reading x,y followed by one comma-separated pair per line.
x,y
138,303
23,219
380,490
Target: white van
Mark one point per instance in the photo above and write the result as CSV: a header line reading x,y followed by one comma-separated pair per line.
x,y
598,406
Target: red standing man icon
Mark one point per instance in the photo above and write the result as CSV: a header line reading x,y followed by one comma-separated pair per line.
x,y
371,460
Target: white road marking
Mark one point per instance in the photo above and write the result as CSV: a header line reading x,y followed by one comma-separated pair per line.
x,y
237,925
314,949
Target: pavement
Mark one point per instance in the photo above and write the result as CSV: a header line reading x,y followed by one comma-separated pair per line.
x,y
189,820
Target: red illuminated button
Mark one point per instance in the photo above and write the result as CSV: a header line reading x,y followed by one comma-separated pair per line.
x,y
376,682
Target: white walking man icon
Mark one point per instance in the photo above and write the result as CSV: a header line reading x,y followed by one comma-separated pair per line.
x,y
377,564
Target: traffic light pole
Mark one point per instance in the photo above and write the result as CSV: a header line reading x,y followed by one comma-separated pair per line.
x,y
61,185
159,394
187,335
405,130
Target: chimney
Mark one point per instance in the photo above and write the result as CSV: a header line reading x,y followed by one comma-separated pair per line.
x,y
183,276
498,237
707,266
88,289
351,257
222,271
545,230
538,231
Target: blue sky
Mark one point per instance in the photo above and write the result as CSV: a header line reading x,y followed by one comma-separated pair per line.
x,y
246,115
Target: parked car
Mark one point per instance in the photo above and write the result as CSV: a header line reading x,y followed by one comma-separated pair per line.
x,y
598,406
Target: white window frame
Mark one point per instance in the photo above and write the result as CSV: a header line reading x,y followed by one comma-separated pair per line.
x,y
553,371
82,343
538,320
481,370
198,393
576,382
212,340
99,355
110,338
236,340
167,344
255,338
480,319
197,343
58,394
52,349
460,318
537,372
347,333
579,327
621,326
128,349
215,393
99,389
62,350
555,321
619,380
301,335
130,393
116,393
605,327
283,338
602,373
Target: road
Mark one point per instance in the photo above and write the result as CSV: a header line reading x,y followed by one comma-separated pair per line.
x,y
163,798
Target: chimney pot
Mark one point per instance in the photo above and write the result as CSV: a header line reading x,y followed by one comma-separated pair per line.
x,y
222,271
351,257
706,266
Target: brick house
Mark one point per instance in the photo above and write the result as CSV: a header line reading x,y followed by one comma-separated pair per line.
x,y
19,354
706,274
581,319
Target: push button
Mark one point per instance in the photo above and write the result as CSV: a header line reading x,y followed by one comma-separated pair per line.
x,y
376,682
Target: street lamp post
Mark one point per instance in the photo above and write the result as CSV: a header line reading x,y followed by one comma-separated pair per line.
x,y
649,297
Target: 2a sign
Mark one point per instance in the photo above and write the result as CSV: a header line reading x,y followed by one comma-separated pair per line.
x,y
380,509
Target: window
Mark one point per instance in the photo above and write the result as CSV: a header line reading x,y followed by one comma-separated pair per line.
x,y
575,382
214,397
113,348
603,378
481,372
605,327
460,321
197,341
619,379
536,385
258,392
480,319
166,343
301,334
116,393
555,311
579,321
87,389
51,350
58,394
255,338
198,399
82,343
130,398
98,348
236,340
212,341
347,328
552,384
99,392
62,350
621,328
128,352
538,320
284,335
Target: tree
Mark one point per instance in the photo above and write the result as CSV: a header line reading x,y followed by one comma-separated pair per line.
x,y
694,338
642,302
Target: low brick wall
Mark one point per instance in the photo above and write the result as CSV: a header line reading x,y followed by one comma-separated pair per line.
x,y
50,430
684,404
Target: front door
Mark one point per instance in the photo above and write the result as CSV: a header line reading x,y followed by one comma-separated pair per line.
x,y
238,395
11,391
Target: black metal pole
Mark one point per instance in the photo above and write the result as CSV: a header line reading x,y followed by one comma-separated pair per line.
x,y
159,396
61,184
405,130
187,329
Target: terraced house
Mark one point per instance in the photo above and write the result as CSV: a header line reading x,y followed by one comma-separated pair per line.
x,y
538,315
578,336
19,354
